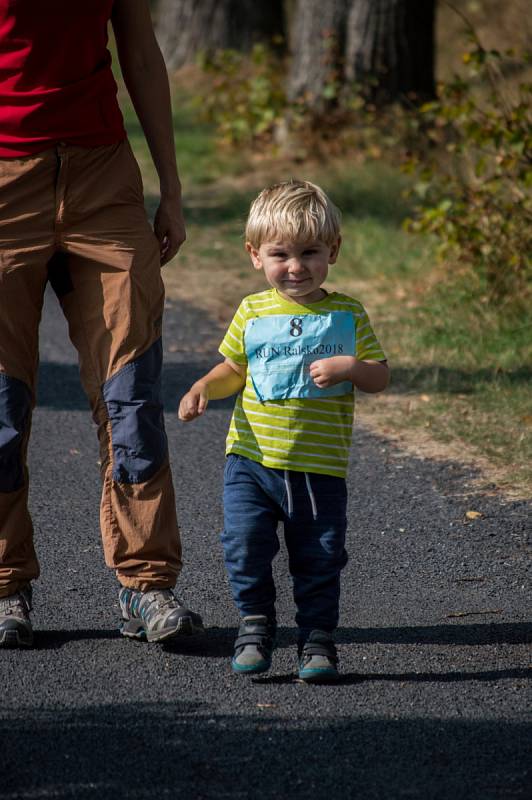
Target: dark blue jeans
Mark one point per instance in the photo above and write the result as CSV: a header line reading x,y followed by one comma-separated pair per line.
x,y
313,511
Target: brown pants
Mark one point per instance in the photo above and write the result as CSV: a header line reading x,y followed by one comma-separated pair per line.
x,y
76,216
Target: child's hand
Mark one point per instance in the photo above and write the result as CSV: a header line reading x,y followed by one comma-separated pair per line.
x,y
330,371
194,403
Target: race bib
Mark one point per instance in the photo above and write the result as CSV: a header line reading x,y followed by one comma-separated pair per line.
x,y
281,348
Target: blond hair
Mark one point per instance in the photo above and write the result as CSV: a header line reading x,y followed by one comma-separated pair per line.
x,y
292,211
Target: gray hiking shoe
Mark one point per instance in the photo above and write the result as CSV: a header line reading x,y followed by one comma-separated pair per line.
x,y
253,645
15,624
156,615
318,661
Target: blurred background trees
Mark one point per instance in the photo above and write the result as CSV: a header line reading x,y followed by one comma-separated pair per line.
x,y
188,27
387,46
357,78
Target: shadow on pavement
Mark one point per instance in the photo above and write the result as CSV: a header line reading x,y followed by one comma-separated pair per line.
x,y
179,749
53,640
218,642
457,633
59,385
350,678
455,381
60,388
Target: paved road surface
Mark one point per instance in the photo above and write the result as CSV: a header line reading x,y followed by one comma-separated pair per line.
x,y
432,704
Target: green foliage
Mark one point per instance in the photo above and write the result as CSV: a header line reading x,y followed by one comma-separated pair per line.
x,y
246,97
474,191
246,100
472,162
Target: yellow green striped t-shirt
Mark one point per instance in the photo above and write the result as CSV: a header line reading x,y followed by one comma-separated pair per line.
x,y
301,434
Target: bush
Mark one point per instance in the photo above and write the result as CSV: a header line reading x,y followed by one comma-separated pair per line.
x,y
472,151
247,102
247,97
474,192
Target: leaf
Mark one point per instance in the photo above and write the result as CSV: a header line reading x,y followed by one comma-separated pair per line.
x,y
473,613
473,514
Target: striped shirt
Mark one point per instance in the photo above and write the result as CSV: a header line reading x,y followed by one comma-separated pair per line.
x,y
301,434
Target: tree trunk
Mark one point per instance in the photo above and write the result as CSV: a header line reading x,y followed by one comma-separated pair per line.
x,y
316,42
390,49
188,27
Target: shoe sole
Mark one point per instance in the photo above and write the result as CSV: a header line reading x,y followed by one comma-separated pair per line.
x,y
186,627
251,669
13,639
319,676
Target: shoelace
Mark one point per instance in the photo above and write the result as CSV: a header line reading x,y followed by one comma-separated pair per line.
x,y
165,601
10,605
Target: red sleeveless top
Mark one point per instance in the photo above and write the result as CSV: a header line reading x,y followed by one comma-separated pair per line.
x,y
56,82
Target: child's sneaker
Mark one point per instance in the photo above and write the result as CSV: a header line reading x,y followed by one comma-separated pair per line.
x,y
156,615
15,623
253,645
318,660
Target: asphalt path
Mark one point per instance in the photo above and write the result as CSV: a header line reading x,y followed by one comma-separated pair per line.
x,y
434,635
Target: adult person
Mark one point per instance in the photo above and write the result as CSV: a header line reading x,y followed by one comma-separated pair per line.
x,y
72,211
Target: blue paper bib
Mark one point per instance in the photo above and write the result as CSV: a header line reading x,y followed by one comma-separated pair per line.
x,y
280,349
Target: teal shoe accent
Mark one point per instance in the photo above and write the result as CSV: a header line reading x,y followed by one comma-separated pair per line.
x,y
156,615
248,669
253,646
318,659
319,674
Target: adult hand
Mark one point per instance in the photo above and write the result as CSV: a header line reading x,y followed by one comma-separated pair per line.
x,y
169,228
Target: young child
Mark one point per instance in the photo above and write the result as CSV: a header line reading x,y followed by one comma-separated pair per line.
x,y
293,354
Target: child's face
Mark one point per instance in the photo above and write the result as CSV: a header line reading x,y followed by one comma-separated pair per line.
x,y
296,269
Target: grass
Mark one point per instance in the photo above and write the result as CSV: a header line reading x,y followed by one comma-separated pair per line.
x,y
461,370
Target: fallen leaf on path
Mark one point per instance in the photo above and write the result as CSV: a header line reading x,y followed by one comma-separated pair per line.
x,y
265,705
473,613
473,514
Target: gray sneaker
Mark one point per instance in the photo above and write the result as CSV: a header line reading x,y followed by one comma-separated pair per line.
x,y
156,615
15,624
318,660
253,645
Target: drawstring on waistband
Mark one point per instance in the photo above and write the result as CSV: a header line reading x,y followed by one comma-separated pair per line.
x,y
312,498
288,492
290,499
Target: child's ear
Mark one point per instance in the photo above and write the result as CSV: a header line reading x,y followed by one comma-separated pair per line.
x,y
254,254
335,249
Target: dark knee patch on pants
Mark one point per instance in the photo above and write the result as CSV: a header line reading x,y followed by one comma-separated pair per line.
x,y
135,410
15,410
